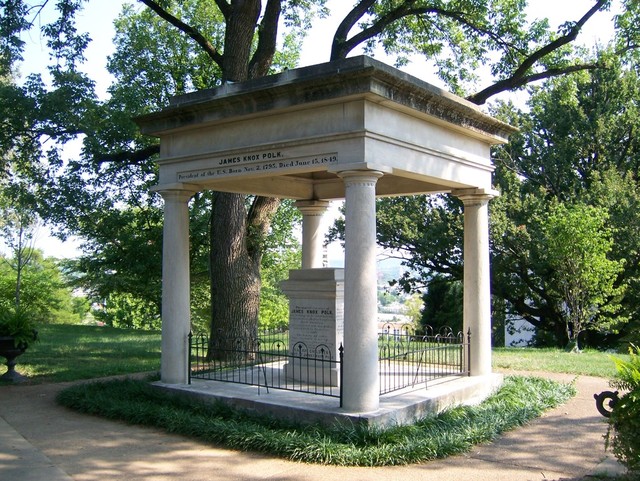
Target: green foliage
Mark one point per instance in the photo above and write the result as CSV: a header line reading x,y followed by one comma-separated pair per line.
x,y
619,194
386,297
428,229
126,311
282,252
453,432
577,243
414,306
576,147
44,292
18,323
624,423
123,258
74,352
460,39
13,21
443,304
274,305
627,371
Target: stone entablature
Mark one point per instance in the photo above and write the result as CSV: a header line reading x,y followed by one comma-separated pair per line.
x,y
288,135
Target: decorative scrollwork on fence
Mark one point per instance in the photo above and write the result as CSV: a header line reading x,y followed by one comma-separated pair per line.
x,y
407,358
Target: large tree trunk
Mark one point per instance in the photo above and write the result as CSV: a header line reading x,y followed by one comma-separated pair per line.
x,y
235,277
236,253
242,19
237,235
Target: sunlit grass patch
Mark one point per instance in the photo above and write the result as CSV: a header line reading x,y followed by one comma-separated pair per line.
x,y
587,362
69,353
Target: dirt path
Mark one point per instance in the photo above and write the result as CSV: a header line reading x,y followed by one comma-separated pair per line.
x,y
39,435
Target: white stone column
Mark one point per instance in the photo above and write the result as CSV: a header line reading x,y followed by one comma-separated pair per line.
x,y
361,391
176,316
477,277
312,211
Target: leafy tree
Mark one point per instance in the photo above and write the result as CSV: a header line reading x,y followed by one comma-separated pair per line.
x,y
443,305
624,423
282,253
577,145
28,282
413,309
240,39
618,193
577,243
126,311
428,231
44,293
18,227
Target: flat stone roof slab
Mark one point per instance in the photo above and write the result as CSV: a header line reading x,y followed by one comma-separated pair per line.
x,y
288,135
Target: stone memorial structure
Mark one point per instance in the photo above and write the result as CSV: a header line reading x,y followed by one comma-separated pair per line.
x,y
353,129
316,322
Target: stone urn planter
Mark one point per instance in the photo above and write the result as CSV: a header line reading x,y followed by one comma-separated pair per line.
x,y
17,333
9,351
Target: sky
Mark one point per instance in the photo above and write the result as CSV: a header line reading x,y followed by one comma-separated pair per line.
x,y
98,15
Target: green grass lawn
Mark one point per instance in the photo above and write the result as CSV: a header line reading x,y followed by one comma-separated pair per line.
x,y
586,363
69,353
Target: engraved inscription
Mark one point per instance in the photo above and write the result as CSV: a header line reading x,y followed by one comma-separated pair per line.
x,y
254,163
315,322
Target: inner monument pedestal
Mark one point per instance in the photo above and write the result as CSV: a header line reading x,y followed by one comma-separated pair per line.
x,y
316,324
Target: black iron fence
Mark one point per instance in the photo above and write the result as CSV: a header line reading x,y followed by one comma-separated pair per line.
x,y
266,361
407,359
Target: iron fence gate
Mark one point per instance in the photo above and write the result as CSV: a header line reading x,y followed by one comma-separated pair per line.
x,y
266,360
407,359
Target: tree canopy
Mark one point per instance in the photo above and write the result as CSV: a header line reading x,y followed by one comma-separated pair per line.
x,y
576,148
173,47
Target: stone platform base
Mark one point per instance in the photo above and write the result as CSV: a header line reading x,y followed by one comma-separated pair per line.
x,y
402,407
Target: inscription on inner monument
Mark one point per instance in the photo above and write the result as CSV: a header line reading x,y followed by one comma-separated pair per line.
x,y
257,162
315,322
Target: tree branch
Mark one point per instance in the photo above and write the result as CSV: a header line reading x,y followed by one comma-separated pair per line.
x,y
187,29
559,42
132,157
267,39
513,82
519,77
225,8
341,46
338,46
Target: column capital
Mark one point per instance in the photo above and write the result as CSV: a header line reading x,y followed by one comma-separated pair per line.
x,y
312,207
471,197
362,176
176,190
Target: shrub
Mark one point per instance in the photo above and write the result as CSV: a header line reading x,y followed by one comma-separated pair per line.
x,y
454,431
624,423
18,323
